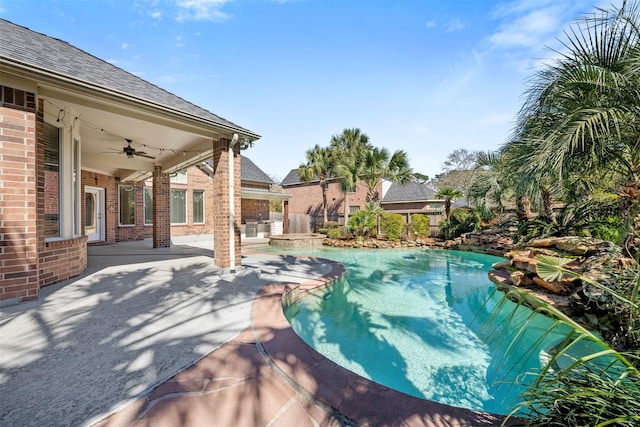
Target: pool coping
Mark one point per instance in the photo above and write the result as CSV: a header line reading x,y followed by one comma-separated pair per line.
x,y
348,396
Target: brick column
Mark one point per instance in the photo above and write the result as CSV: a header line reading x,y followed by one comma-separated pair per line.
x,y
18,204
222,207
161,209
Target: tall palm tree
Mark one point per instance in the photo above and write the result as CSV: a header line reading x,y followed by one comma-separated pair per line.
x,y
378,166
319,165
589,102
448,194
349,149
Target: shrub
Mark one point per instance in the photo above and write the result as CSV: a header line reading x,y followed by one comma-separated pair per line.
x,y
392,226
331,224
362,223
334,233
419,225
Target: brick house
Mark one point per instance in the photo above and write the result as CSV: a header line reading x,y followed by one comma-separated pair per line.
x,y
80,140
405,199
307,198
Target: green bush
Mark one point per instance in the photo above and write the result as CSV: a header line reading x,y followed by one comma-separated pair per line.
x,y
362,223
334,233
419,225
331,224
392,226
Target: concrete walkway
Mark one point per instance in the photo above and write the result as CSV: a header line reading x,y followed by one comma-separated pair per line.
x,y
100,343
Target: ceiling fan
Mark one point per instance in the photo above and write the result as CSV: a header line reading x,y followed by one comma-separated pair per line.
x,y
132,152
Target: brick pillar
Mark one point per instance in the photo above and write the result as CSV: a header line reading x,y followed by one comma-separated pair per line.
x,y
18,204
161,209
222,207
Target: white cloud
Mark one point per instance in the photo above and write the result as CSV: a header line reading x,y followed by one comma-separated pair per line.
x,y
430,24
454,25
529,29
201,10
156,14
125,46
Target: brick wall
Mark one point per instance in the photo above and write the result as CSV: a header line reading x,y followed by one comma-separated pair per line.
x,y
307,198
255,210
196,180
18,236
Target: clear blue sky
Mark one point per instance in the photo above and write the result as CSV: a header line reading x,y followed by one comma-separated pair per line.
x,y
426,76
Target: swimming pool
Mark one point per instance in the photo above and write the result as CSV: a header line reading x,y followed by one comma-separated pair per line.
x,y
423,322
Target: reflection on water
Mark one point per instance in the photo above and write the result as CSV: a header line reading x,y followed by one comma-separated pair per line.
x,y
422,322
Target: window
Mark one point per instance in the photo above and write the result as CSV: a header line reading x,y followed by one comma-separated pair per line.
x,y
179,177
435,206
353,209
198,207
178,206
127,201
52,181
148,205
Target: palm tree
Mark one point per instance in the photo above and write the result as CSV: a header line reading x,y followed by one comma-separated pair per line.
x,y
448,194
378,166
348,150
319,165
585,108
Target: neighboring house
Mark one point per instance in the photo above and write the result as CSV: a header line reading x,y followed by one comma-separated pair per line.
x,y
405,199
80,140
306,198
413,197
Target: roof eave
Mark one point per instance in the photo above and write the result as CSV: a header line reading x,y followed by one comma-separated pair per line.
x,y
51,77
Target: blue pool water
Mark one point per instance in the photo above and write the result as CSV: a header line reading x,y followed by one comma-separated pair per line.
x,y
424,322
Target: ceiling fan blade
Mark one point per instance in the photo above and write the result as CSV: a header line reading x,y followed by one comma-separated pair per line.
x,y
143,154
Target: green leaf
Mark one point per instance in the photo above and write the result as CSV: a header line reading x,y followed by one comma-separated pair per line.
x,y
550,268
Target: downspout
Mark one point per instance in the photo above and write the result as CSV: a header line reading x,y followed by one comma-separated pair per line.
x,y
232,240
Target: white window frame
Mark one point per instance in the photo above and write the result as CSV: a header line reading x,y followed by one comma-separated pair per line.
x,y
147,189
133,190
186,203
204,207
180,177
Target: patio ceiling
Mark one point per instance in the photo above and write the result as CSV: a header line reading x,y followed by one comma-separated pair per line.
x,y
174,142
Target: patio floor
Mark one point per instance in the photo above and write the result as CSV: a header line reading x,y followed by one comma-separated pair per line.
x,y
160,337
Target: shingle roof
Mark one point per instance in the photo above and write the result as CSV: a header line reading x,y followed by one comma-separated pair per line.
x,y
291,178
248,171
251,172
20,45
410,192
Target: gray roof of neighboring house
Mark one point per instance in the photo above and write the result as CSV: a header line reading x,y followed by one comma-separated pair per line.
x,y
409,192
251,172
291,178
22,46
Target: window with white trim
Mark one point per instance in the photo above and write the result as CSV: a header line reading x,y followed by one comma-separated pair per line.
x,y
148,205
127,204
179,177
198,206
178,209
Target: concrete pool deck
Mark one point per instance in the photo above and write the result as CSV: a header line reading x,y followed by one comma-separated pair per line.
x,y
208,350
